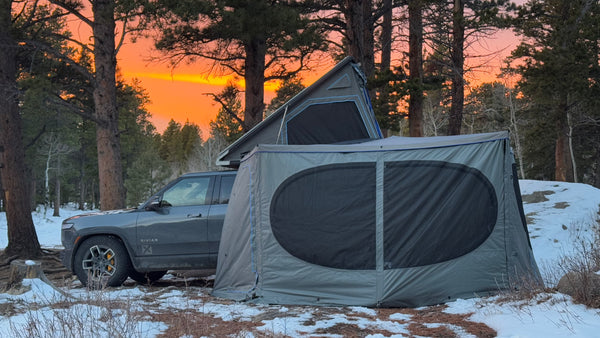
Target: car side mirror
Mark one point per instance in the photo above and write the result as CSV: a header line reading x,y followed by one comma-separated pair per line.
x,y
154,204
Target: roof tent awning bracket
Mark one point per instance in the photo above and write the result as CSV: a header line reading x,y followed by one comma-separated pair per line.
x,y
281,125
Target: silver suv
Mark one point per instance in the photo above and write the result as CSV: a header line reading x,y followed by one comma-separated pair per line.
x,y
178,228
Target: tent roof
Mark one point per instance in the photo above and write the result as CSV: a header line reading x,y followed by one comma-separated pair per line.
x,y
390,143
342,84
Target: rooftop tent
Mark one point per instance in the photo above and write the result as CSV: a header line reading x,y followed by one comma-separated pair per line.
x,y
393,222
336,108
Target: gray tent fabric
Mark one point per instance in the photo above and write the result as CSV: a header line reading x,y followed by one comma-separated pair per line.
x,y
313,116
397,222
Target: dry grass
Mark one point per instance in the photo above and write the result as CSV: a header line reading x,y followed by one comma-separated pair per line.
x,y
575,272
578,271
95,315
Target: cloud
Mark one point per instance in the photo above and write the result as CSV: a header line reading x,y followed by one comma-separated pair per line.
x,y
197,78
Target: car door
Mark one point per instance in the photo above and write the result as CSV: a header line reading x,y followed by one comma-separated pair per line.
x,y
179,226
218,210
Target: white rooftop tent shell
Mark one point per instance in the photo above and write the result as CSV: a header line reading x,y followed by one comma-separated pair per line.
x,y
336,108
392,222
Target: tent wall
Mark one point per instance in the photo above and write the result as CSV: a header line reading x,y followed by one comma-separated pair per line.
x,y
238,265
385,223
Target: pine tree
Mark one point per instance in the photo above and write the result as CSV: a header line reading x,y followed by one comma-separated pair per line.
x,y
558,62
22,238
258,40
286,91
227,123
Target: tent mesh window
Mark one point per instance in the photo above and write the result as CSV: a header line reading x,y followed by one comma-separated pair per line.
x,y
434,212
320,124
326,215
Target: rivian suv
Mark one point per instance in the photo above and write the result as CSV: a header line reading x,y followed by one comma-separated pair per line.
x,y
177,228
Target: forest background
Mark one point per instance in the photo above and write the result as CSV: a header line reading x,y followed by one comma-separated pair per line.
x,y
73,130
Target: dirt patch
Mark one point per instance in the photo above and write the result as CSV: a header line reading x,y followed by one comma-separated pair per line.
x,y
7,309
436,315
193,324
561,205
434,322
537,196
424,322
352,330
424,330
529,217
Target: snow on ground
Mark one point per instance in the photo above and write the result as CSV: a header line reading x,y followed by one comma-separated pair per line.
x,y
560,215
45,312
547,315
558,224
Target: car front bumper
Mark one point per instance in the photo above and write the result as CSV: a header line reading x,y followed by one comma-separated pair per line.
x,y
68,237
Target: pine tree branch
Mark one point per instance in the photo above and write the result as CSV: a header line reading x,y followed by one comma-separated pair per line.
x,y
228,111
50,50
34,140
84,113
120,44
73,8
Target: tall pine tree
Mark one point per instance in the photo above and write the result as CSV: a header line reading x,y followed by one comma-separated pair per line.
x,y
258,40
558,62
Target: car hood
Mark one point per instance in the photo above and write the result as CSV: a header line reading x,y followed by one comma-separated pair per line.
x,y
100,213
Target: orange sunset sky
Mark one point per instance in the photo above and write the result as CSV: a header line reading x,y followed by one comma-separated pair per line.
x,y
179,93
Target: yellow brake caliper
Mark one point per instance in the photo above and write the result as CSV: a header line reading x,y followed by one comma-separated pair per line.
x,y
109,256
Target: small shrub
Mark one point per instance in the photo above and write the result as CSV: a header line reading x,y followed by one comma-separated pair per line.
x,y
578,270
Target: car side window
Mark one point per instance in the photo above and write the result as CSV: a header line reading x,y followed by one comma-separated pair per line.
x,y
188,191
226,186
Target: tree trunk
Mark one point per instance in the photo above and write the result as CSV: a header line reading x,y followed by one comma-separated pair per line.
x,y
81,178
255,82
110,172
47,176
415,62
2,202
514,129
57,189
22,238
360,32
93,193
563,168
32,190
386,62
571,151
81,186
457,90
386,36
596,177
562,160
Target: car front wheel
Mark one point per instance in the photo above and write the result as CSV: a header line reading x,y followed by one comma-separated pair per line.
x,y
101,261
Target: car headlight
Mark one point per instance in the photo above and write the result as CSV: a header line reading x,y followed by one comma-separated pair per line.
x,y
67,226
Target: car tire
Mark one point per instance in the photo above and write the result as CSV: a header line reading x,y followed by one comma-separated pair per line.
x,y
101,261
146,277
